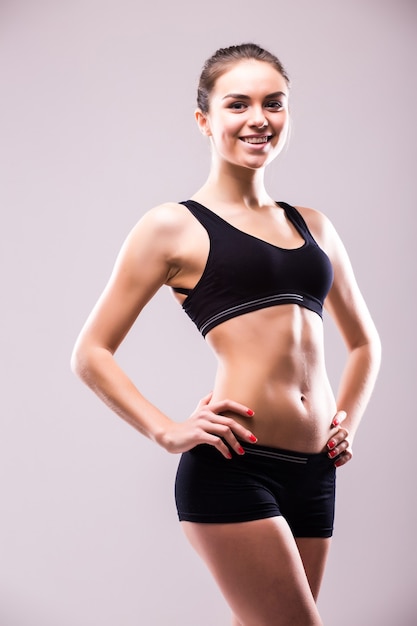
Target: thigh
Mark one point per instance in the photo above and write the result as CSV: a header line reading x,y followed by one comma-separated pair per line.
x,y
259,570
314,553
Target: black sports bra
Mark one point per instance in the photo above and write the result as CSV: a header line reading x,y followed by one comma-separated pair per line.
x,y
244,273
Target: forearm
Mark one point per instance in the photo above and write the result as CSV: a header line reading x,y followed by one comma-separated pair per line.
x,y
357,383
98,369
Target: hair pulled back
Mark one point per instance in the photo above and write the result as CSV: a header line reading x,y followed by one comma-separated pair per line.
x,y
223,59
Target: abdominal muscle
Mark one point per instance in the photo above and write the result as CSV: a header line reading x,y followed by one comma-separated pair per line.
x,y
272,361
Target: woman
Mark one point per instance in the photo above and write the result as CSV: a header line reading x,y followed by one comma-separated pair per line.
x,y
255,484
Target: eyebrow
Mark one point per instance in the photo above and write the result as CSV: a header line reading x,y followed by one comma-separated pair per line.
x,y
241,96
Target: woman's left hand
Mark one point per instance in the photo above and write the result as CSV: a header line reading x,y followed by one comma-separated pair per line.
x,y
339,445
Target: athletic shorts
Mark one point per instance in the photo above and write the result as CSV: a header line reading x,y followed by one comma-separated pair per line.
x,y
264,482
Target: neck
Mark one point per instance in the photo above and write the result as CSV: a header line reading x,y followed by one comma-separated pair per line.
x,y
232,184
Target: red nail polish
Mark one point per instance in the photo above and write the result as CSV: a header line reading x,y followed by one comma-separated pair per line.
x,y
250,412
331,444
335,422
241,450
253,438
332,454
229,455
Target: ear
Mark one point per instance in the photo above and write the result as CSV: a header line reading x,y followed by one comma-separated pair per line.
x,y
202,122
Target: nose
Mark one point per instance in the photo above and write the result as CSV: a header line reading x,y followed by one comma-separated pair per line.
x,y
258,119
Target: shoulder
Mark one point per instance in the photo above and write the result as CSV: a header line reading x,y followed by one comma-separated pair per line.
x,y
168,216
155,234
320,226
162,234
314,219
161,224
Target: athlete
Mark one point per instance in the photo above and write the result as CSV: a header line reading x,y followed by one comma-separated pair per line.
x,y
255,486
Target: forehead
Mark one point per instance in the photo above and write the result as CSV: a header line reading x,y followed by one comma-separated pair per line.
x,y
250,76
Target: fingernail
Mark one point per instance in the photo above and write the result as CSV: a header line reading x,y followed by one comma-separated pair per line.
x,y
335,422
250,412
229,455
331,444
241,450
332,454
253,438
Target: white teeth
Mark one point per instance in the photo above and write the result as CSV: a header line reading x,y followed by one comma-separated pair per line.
x,y
255,139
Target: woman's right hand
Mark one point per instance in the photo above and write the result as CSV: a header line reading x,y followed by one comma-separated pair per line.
x,y
208,425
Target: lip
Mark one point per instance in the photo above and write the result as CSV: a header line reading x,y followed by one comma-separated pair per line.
x,y
258,145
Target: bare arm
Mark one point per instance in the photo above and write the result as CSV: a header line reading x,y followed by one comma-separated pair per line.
x,y
347,307
147,260
351,315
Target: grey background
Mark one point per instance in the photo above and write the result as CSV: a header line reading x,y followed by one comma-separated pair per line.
x,y
96,127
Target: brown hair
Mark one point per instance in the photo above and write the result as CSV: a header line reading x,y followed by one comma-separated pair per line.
x,y
223,58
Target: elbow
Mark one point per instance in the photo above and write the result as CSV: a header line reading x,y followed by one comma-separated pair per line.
x,y
375,344
377,349
87,360
79,361
373,348
75,362
368,343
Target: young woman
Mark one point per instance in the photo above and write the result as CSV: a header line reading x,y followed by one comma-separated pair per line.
x,y
255,483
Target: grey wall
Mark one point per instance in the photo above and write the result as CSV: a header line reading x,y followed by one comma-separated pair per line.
x,y
96,126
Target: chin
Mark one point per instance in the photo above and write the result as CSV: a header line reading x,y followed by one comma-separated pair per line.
x,y
258,163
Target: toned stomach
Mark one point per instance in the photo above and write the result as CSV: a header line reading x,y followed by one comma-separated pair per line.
x,y
272,361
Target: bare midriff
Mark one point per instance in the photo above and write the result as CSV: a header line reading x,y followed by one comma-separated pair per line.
x,y
272,360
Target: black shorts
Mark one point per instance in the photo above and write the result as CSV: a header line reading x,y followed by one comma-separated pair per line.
x,y
264,482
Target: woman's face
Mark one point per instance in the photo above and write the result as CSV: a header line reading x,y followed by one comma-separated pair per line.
x,y
248,117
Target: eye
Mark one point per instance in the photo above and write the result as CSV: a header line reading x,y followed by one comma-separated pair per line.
x,y
237,106
274,105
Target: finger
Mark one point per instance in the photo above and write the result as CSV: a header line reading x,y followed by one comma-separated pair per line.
x,y
235,437
344,458
218,443
340,435
230,430
231,405
338,418
337,435
339,449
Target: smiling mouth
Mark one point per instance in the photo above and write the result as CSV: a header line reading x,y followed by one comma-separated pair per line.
x,y
256,140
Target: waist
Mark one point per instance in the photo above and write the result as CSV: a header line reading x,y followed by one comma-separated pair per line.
x,y
268,454
285,416
273,362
